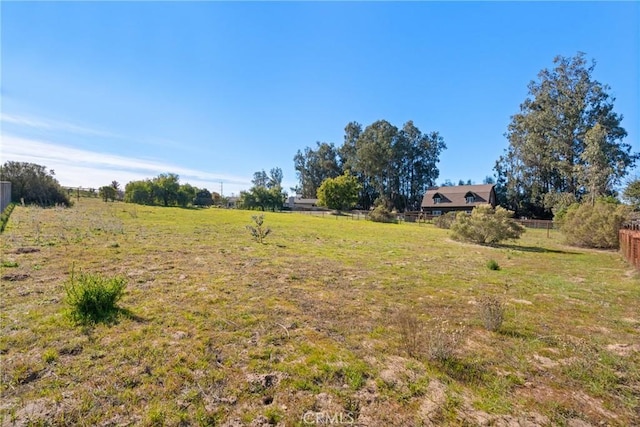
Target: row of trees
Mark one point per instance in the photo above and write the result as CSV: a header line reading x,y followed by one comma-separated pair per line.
x,y
266,193
33,184
393,166
166,190
566,143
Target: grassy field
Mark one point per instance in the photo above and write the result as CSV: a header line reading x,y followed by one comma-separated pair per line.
x,y
330,320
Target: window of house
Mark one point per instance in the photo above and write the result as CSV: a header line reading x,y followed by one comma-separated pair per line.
x,y
471,198
436,213
436,199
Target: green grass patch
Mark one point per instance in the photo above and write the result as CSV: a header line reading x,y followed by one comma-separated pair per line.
x,y
9,264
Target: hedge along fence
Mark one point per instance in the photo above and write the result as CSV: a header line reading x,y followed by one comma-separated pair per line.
x,y
4,217
630,243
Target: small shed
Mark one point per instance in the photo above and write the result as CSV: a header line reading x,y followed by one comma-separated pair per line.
x,y
5,194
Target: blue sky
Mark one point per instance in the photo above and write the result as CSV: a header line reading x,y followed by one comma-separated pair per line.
x,y
216,91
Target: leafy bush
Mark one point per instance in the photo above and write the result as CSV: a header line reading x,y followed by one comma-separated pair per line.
x,y
493,265
93,298
491,312
444,221
382,214
594,226
486,225
259,231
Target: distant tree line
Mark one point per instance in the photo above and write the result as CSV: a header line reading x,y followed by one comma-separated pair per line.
x,y
565,145
166,190
393,167
33,184
266,192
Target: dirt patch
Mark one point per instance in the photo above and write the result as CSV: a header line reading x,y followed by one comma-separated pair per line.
x,y
624,349
591,410
383,414
521,301
264,381
33,412
543,363
433,401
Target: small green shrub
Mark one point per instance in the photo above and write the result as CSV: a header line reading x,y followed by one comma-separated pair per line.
x,y
444,221
493,265
93,298
382,214
594,226
486,225
491,312
259,231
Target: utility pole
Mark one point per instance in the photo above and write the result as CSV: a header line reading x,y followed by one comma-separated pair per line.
x,y
221,194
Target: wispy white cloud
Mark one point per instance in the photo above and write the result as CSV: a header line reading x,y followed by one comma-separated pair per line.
x,y
85,168
52,125
24,122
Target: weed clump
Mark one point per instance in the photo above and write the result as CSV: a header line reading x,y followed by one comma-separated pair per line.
x,y
438,340
93,298
444,340
491,312
493,265
259,232
411,332
50,355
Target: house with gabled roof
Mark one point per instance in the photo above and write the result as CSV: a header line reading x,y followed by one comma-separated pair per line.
x,y
458,198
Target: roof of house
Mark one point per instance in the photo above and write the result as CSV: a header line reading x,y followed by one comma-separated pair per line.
x,y
456,196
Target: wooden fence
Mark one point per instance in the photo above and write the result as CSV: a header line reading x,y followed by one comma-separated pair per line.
x,y
630,243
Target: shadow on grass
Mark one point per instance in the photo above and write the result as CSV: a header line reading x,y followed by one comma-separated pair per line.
x,y
128,314
536,249
110,318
